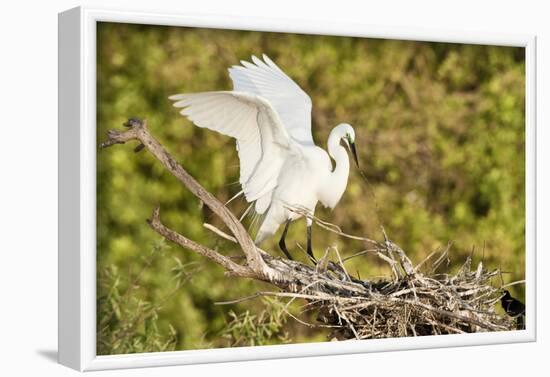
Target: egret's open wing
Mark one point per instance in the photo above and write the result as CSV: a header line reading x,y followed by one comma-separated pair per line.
x,y
267,80
262,141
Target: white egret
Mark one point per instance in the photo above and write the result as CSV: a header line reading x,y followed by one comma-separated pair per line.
x,y
281,168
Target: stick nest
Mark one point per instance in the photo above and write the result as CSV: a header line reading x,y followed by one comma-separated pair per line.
x,y
413,303
419,305
417,301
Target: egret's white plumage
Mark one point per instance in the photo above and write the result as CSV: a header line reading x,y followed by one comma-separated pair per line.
x,y
269,115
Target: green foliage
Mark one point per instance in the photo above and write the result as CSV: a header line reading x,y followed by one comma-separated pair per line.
x,y
127,322
440,136
265,328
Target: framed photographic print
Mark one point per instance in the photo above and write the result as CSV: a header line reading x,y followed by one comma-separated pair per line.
x,y
237,189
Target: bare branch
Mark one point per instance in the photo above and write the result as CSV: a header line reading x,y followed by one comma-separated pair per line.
x,y
137,130
237,269
220,233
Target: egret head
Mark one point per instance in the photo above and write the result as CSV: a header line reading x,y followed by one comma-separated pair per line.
x,y
346,134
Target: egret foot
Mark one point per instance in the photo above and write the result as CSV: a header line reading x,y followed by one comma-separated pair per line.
x,y
282,244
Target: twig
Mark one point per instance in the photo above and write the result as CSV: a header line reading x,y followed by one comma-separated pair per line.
x,y
220,233
155,223
512,283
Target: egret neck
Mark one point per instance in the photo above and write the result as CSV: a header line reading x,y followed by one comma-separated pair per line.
x,y
338,179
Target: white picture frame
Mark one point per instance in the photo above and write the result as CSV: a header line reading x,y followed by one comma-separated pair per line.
x,y
77,190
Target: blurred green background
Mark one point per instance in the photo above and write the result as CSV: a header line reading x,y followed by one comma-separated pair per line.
x,y
440,135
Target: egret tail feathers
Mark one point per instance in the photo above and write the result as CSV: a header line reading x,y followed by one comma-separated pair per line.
x,y
267,228
256,219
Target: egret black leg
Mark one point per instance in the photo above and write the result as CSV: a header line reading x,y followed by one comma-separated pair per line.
x,y
282,243
309,247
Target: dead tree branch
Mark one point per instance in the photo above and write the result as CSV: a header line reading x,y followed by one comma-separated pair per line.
x,y
137,130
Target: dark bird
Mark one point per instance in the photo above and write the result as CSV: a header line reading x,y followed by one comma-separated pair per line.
x,y
514,308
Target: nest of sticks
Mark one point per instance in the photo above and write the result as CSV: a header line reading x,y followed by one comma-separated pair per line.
x,y
416,301
418,304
